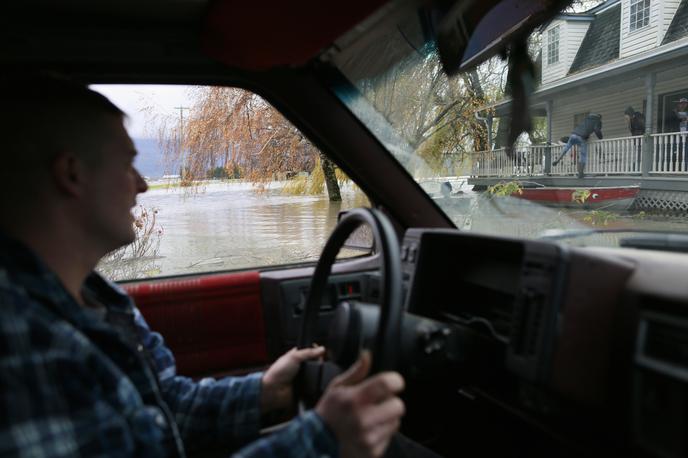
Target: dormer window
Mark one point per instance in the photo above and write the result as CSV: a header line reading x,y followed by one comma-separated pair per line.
x,y
553,45
640,14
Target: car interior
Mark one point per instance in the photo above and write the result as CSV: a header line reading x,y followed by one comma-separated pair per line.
x,y
532,348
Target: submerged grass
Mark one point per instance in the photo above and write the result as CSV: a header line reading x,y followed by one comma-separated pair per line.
x,y
314,184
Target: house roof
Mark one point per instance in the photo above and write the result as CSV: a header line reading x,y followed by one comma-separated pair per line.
x,y
679,25
603,6
661,59
601,42
588,15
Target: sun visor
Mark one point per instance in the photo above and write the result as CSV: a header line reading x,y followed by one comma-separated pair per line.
x,y
471,32
258,35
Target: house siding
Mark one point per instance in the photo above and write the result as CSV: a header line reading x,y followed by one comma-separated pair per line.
x,y
641,40
553,72
575,33
668,10
571,34
611,100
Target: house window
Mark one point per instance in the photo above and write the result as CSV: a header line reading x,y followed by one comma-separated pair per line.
x,y
669,111
553,46
640,14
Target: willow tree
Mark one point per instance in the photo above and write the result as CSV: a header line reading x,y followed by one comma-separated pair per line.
x,y
239,132
435,114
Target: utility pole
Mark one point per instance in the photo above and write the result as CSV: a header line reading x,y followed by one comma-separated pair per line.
x,y
181,137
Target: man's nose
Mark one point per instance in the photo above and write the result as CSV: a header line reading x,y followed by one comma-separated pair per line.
x,y
141,185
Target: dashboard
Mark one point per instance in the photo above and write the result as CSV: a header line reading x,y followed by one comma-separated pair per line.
x,y
588,344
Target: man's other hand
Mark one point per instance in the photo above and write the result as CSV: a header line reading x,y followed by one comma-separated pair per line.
x,y
277,393
363,413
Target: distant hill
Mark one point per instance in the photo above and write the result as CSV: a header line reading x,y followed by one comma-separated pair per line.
x,y
149,160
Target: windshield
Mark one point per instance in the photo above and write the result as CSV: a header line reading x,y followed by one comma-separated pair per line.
x,y
608,115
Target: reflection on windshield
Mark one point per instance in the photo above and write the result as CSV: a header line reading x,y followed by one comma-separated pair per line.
x,y
608,148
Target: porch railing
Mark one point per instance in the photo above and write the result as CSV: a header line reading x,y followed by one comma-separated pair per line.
x,y
666,153
615,156
669,153
504,162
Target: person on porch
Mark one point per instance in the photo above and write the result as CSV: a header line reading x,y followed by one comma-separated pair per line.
x,y
635,121
579,136
680,114
679,123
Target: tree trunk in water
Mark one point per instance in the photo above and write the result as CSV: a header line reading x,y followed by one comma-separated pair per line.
x,y
330,179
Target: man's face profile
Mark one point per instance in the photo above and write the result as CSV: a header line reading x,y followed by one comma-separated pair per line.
x,y
112,186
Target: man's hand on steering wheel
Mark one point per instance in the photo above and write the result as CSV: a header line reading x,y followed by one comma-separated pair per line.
x,y
364,413
277,387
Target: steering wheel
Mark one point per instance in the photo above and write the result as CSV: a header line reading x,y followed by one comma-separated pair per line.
x,y
349,322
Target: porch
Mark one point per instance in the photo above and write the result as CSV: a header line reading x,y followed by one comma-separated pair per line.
x,y
643,155
656,162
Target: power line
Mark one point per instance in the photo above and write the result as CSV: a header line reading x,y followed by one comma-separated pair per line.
x,y
181,137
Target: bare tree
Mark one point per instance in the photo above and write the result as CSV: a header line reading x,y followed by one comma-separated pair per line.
x,y
436,114
239,132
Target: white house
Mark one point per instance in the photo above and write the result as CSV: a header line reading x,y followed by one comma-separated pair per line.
x,y
621,53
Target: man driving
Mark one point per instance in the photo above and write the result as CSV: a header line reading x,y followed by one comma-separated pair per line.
x,y
81,373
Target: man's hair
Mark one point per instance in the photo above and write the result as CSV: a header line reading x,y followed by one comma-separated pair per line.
x,y
49,113
44,115
629,111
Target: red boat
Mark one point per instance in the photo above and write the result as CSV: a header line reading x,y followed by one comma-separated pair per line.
x,y
609,198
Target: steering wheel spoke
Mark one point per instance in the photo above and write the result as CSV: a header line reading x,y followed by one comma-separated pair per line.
x,y
355,325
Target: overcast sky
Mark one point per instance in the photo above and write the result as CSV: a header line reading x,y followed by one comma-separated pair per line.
x,y
140,101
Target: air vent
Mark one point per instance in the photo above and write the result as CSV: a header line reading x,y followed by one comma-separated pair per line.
x,y
501,316
660,404
529,313
534,321
667,343
528,324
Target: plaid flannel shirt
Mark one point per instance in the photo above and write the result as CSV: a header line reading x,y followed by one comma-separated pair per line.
x,y
73,384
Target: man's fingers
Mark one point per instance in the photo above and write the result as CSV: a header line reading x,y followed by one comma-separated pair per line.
x,y
389,410
304,354
379,450
381,436
380,387
356,372
364,413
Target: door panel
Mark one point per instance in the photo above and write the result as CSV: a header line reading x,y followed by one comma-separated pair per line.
x,y
284,293
226,323
213,324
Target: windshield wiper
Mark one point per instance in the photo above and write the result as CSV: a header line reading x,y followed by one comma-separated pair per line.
x,y
661,242
651,240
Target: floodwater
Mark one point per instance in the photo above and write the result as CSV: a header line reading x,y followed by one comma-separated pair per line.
x,y
231,225
514,217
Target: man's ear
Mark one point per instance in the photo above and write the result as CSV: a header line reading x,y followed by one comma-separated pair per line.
x,y
69,173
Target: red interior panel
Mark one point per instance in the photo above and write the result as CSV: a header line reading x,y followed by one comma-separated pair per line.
x,y
213,324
